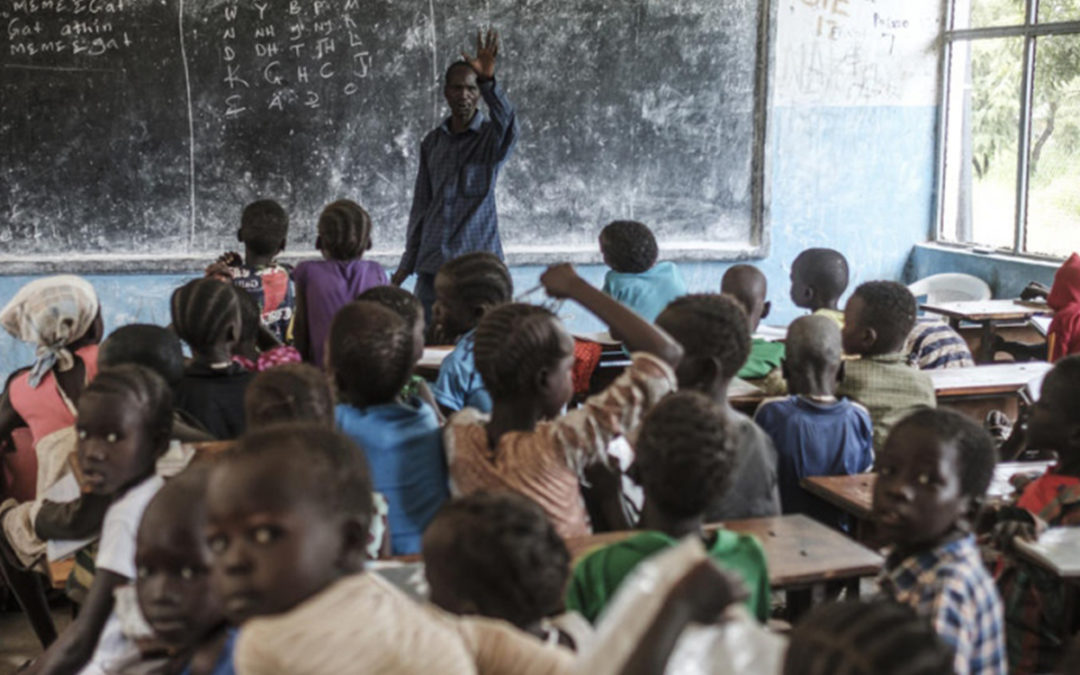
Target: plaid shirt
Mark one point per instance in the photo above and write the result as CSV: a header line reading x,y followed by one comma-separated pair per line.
x,y
950,586
453,209
888,387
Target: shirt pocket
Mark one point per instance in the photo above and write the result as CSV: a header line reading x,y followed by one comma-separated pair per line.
x,y
474,180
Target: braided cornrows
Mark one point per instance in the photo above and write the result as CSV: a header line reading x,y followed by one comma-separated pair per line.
x,y
402,302
293,392
344,230
480,279
371,351
513,342
202,312
866,638
147,391
685,453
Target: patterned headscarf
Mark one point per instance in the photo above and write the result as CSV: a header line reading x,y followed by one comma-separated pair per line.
x,y
51,313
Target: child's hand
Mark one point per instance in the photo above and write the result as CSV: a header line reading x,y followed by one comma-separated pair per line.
x,y
1034,291
221,269
708,590
1006,531
560,280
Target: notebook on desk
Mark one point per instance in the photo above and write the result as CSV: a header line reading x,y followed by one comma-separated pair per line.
x,y
1058,549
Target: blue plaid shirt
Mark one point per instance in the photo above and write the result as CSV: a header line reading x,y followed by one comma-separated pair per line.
x,y
950,586
453,209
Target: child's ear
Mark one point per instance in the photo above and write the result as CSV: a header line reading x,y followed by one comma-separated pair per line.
x,y
240,235
784,370
765,309
318,243
969,514
369,245
353,544
480,311
281,246
841,373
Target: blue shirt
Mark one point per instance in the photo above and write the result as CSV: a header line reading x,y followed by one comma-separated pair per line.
x,y
224,664
816,439
453,210
404,448
459,384
648,292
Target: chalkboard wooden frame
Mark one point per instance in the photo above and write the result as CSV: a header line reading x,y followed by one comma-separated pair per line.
x,y
756,247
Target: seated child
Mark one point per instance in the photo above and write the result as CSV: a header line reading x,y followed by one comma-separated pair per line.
x,y
932,477
465,289
747,284
1063,337
819,276
860,637
684,462
636,279
495,554
325,286
258,349
877,320
61,318
264,229
714,332
408,307
124,424
206,315
815,433
293,503
1036,621
934,344
172,586
527,445
370,358
298,392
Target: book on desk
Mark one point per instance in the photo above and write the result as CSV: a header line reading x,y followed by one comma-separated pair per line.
x,y
1057,549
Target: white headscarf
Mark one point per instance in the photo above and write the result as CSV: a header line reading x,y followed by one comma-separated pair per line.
x,y
51,313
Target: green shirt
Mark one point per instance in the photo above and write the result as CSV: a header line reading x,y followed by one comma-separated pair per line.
x,y
889,388
598,575
765,357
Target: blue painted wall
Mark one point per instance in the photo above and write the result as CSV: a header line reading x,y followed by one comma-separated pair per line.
x,y
1006,275
856,179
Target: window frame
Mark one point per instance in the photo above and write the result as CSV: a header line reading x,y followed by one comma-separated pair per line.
x,y
1030,31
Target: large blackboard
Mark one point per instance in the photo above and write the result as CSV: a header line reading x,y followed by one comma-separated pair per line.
x,y
133,131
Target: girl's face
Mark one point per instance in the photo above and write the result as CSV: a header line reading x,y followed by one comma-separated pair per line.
x,y
114,449
557,385
271,546
452,316
419,328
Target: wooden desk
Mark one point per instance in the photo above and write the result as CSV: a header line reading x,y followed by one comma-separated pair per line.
x,y
985,381
986,313
802,555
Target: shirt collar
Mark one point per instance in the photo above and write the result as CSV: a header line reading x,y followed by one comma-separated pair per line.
x,y
895,357
905,573
477,122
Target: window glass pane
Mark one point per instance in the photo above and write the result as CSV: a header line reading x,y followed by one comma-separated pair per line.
x,y
984,13
981,142
1052,11
1054,170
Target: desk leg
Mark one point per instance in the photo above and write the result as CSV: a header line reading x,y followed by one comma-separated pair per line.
x,y
798,603
986,346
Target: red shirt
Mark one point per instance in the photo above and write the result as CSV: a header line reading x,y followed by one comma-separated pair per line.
x,y
1044,489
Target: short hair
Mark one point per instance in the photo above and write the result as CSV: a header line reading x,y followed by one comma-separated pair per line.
x,y
629,246
814,341
147,391
250,316
480,279
454,66
264,225
505,556
513,343
860,637
294,392
824,270
147,345
371,350
747,284
398,300
324,464
344,230
202,310
890,309
1066,372
685,454
711,326
975,449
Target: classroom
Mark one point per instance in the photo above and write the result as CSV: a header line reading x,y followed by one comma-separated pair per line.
x,y
641,336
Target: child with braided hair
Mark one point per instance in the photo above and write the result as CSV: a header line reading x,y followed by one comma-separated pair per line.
x,y
527,445
325,286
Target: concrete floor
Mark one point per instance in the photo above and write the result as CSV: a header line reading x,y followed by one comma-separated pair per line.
x,y
18,643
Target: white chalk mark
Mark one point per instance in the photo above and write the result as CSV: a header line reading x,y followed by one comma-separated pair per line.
x,y
434,60
191,126
62,69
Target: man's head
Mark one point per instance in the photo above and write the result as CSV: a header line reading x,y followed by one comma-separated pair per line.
x,y
462,92
878,318
814,352
747,284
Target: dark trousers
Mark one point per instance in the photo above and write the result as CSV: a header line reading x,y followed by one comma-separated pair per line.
x,y
425,293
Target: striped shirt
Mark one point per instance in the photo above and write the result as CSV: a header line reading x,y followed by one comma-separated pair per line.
x,y
950,586
545,464
934,344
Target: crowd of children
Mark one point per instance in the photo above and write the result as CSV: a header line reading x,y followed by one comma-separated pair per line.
x,y
252,558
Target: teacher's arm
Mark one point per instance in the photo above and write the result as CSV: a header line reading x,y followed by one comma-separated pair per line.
x,y
500,107
420,205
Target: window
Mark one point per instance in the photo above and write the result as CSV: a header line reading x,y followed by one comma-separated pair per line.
x,y
1010,133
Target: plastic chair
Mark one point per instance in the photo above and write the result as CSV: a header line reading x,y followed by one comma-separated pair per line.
x,y
950,288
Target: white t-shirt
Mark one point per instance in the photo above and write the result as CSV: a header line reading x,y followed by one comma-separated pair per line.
x,y
116,553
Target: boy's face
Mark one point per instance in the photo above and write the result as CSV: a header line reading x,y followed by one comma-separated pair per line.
x,y
450,314
419,328
271,546
918,500
857,338
113,450
173,576
1049,427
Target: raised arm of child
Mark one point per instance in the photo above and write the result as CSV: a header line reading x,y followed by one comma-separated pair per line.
x,y
561,281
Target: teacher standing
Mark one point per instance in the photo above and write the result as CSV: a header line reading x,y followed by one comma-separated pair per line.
x,y
453,209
